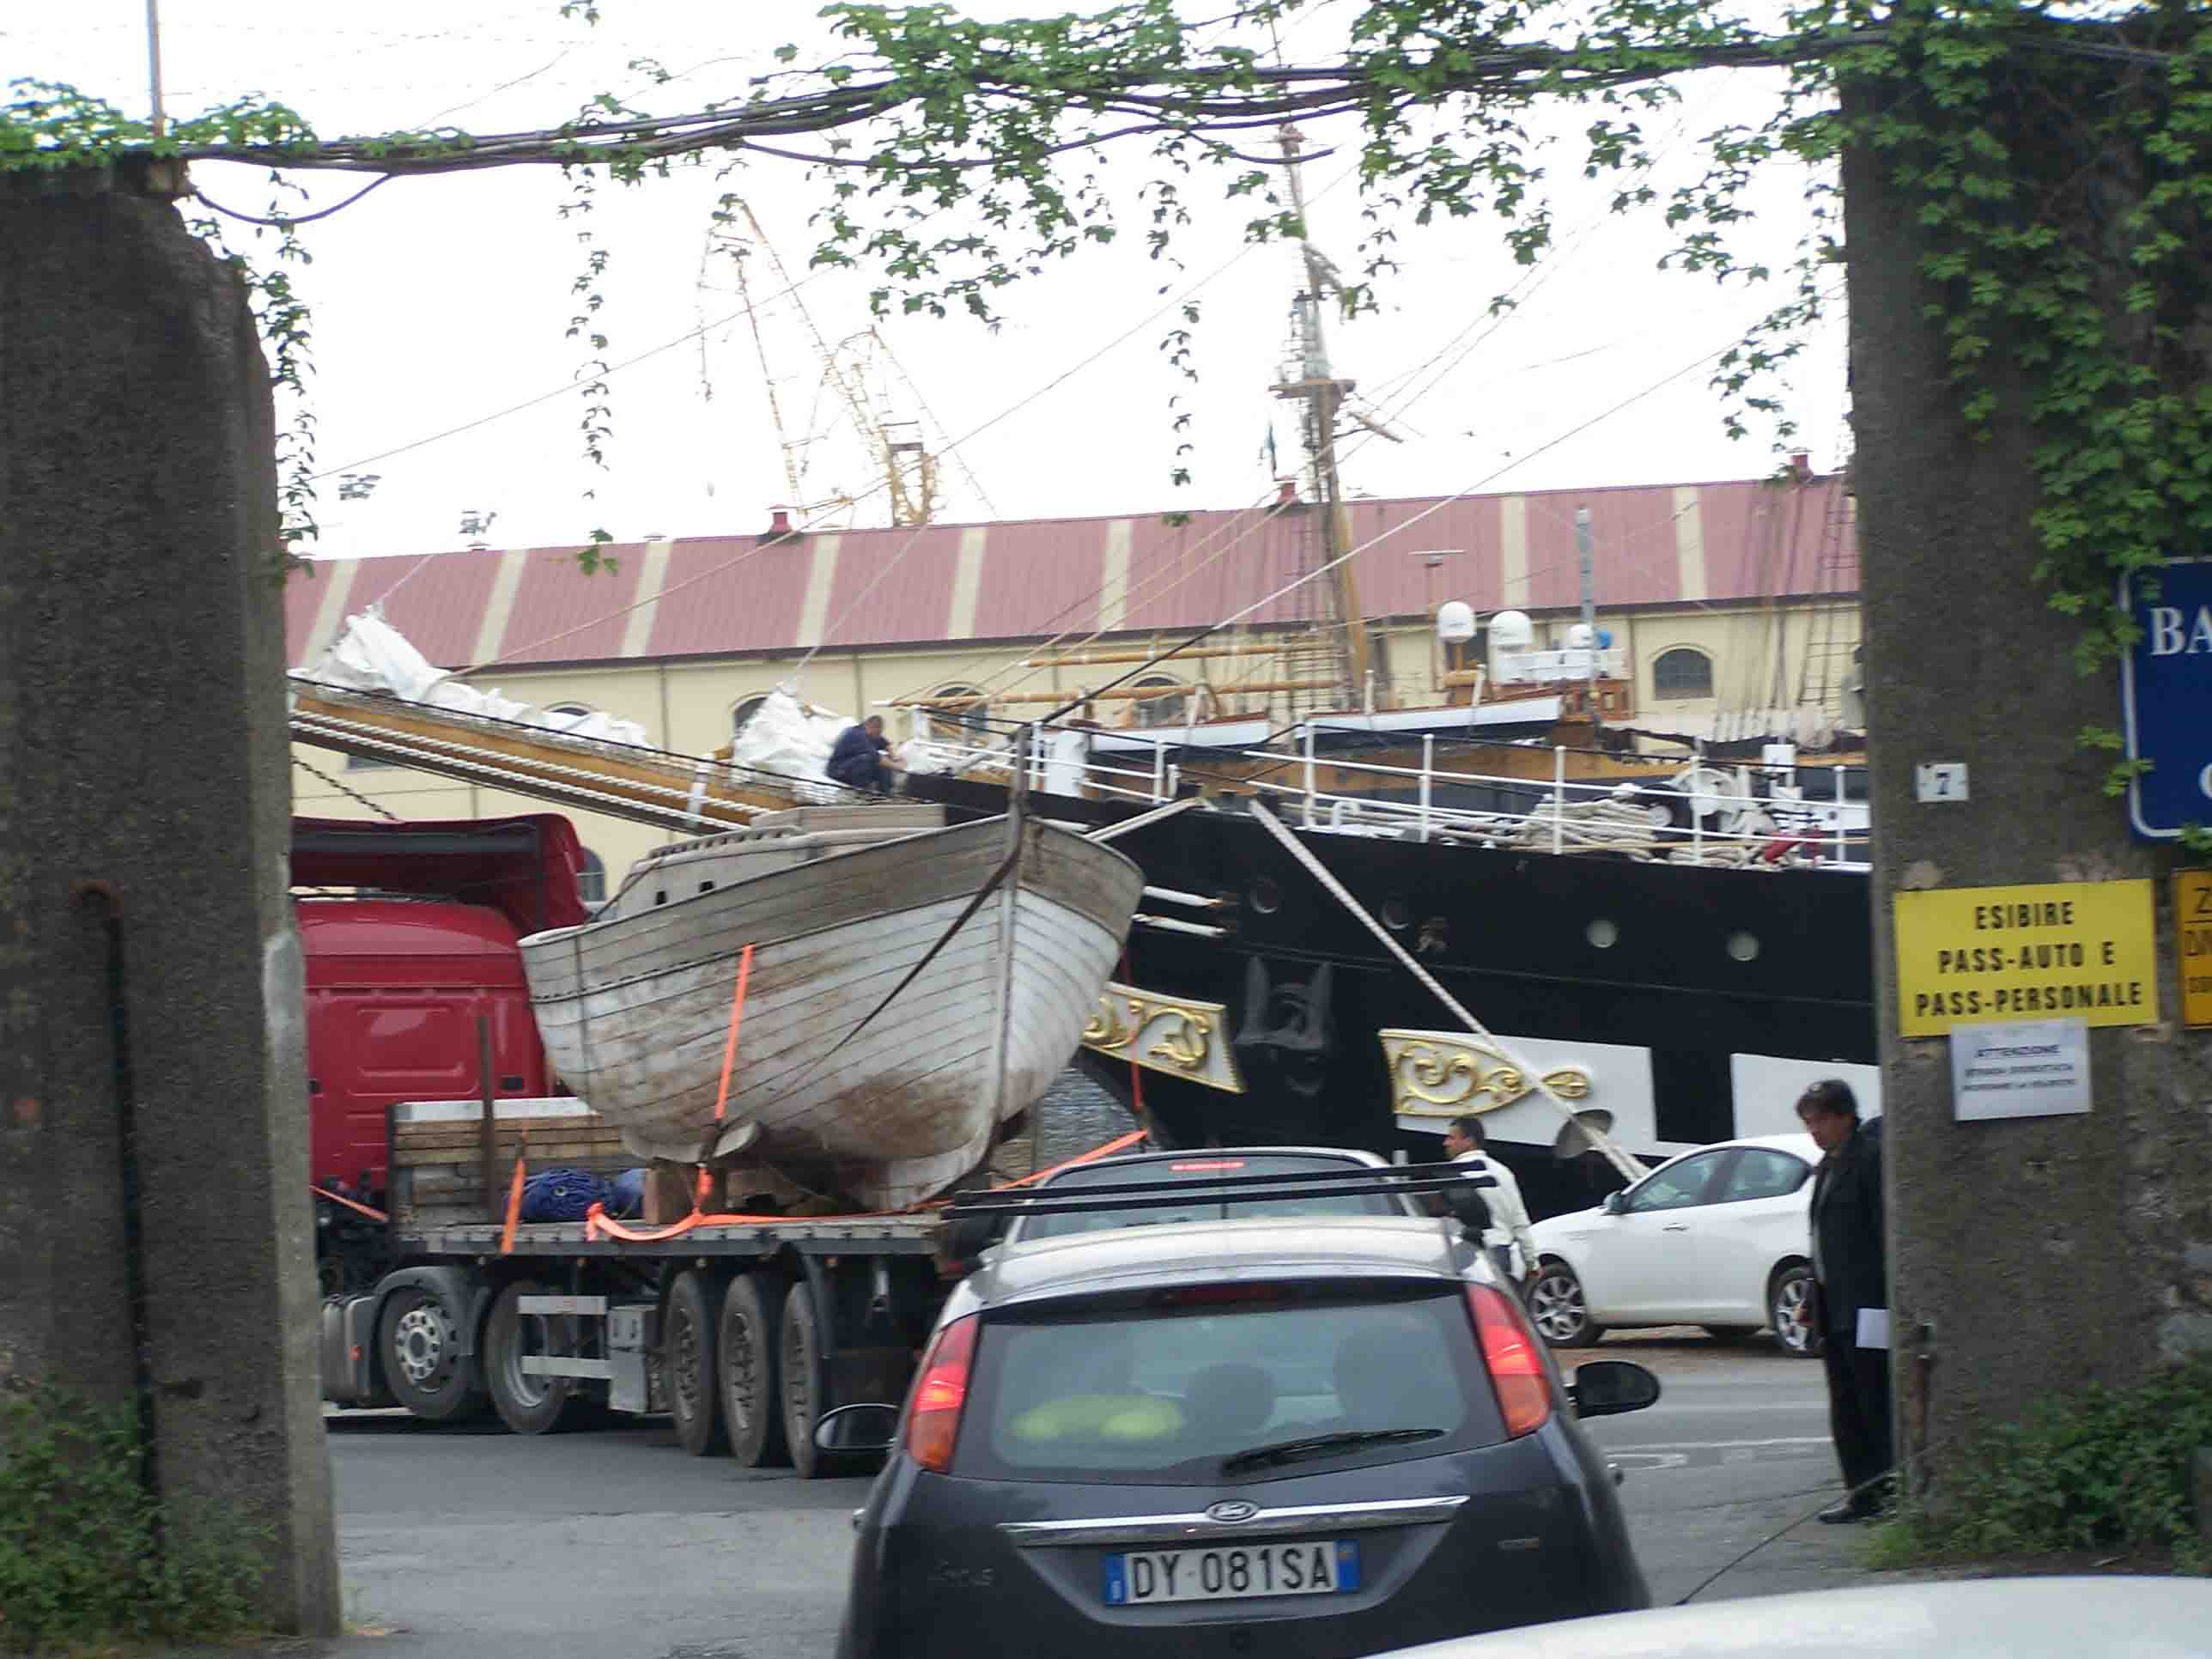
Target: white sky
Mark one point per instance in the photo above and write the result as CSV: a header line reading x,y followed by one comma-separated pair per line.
x,y
441,301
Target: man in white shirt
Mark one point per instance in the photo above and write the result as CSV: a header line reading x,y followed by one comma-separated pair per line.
x,y
1509,1216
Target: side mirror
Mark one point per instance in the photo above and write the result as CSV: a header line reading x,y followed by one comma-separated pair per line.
x,y
1607,1388
868,1428
1616,1204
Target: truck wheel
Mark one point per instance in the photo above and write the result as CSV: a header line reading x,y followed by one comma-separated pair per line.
x,y
805,1383
529,1404
752,1403
688,1343
419,1341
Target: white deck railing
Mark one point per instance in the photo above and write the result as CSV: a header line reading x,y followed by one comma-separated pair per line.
x,y
1729,821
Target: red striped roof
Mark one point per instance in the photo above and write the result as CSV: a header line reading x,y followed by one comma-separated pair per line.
x,y
715,595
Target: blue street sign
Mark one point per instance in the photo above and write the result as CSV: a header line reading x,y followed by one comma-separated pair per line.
x,y
2165,691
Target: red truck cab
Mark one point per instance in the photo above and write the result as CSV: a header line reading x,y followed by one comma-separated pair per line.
x,y
417,945
395,988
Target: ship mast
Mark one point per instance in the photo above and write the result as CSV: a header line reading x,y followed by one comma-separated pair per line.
x,y
1310,381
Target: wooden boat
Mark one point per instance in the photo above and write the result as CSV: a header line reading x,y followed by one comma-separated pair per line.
x,y
912,987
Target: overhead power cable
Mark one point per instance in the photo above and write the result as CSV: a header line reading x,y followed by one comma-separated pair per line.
x,y
1398,529
1197,100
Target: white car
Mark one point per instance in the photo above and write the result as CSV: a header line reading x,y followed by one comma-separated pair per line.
x,y
2112,1617
1716,1237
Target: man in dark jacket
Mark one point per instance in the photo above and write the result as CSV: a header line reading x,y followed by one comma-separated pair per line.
x,y
857,760
1850,1263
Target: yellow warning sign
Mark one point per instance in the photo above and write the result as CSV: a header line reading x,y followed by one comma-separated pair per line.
x,y
2192,921
2073,950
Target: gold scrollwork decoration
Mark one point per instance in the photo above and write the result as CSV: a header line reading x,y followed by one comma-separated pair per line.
x,y
1176,1035
1107,1030
1436,1074
1184,1047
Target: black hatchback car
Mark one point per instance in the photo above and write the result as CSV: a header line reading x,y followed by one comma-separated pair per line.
x,y
1303,1439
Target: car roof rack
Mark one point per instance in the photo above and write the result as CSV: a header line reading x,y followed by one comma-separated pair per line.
x,y
1398,1181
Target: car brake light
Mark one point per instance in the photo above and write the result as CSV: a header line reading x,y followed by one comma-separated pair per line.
x,y
1204,1295
1208,1163
1517,1370
933,1422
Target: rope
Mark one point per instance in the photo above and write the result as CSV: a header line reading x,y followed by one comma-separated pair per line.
x,y
1143,820
1534,1075
354,794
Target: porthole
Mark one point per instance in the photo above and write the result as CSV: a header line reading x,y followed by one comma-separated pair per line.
x,y
1396,917
706,886
1603,934
1267,897
1744,947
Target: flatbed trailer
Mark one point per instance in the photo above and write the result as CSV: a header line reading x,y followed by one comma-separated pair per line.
x,y
742,1332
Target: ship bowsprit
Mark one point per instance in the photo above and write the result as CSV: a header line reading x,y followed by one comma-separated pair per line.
x,y
885,1101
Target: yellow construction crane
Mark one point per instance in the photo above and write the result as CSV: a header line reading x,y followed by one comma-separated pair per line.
x,y
852,388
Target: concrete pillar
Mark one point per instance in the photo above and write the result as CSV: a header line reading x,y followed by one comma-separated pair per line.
x,y
2029,1255
148,966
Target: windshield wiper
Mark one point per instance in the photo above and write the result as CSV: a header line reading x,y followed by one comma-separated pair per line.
x,y
1321,1445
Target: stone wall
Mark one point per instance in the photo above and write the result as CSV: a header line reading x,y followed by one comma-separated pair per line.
x,y
149,971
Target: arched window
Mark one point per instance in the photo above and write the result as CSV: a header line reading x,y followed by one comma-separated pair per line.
x,y
573,710
1681,674
968,723
742,714
592,881
1168,710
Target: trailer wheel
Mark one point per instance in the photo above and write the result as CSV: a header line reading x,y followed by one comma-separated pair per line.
x,y
752,1401
419,1341
805,1378
688,1346
529,1404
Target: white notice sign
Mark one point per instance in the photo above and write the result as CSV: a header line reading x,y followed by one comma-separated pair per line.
x,y
2024,1068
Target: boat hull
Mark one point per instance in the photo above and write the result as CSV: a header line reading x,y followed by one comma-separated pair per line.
x,y
636,1011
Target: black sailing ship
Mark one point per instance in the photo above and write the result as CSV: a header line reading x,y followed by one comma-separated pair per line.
x,y
1680,1004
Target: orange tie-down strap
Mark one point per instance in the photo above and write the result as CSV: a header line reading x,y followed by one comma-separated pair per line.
x,y
599,1225
339,1198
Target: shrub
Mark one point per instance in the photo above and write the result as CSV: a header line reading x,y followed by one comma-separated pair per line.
x,y
2099,1468
87,1557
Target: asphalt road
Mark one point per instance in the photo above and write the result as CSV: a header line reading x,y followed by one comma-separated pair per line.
x,y
614,1544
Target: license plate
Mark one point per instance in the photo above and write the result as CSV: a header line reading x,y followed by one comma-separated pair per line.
x,y
1232,1572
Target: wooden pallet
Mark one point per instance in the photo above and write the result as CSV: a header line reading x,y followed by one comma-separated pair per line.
x,y
436,1155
